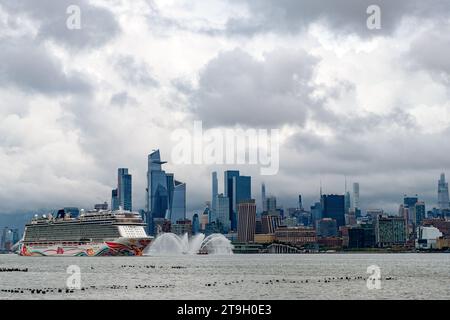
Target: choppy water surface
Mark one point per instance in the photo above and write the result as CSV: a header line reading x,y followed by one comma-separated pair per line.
x,y
309,276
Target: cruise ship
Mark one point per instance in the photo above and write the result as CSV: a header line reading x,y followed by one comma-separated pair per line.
x,y
92,233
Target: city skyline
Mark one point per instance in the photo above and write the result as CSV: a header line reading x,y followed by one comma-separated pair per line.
x,y
369,105
186,211
230,184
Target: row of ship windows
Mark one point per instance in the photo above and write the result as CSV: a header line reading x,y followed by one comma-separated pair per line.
x,y
83,231
52,235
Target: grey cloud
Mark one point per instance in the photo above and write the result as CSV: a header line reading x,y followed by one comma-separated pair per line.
x,y
29,66
122,99
235,88
183,86
367,122
98,24
431,50
347,16
380,150
388,162
135,72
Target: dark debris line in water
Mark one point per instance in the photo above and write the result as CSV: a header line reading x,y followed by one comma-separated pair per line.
x,y
13,269
278,281
44,291
151,267
83,289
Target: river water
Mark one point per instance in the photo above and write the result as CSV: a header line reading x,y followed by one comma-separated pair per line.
x,y
303,276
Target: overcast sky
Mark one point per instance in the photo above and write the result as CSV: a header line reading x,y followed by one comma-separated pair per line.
x,y
372,105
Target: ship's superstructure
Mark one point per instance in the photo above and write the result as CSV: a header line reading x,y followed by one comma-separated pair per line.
x,y
93,233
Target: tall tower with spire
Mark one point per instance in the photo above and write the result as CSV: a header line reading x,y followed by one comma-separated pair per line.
x,y
348,203
215,190
355,197
443,198
263,197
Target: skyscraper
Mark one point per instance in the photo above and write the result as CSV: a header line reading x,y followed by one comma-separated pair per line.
x,y
215,190
124,191
355,198
170,182
204,220
195,224
263,197
237,188
300,202
316,212
419,212
222,213
15,236
247,221
114,200
348,203
166,197
3,238
410,202
228,188
443,197
178,206
333,206
271,204
157,193
241,192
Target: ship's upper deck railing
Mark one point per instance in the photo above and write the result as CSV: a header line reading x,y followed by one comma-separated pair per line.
x,y
90,216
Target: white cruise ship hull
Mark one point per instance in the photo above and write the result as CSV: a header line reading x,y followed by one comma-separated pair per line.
x,y
115,247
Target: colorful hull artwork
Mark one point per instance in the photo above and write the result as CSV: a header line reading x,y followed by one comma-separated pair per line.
x,y
118,247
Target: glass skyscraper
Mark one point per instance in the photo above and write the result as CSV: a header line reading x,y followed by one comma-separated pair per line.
x,y
222,212
410,202
241,193
215,191
124,191
263,197
316,212
271,204
237,188
228,189
419,212
355,197
348,204
114,200
157,193
195,224
333,206
178,206
166,197
443,198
